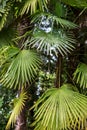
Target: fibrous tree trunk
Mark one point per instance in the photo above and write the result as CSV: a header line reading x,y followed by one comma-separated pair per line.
x,y
21,121
58,81
22,27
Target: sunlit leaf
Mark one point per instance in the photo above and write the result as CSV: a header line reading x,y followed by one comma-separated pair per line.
x,y
59,109
22,69
80,75
32,6
18,106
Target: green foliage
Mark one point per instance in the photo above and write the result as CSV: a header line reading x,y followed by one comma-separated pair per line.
x,y
18,106
46,80
4,13
1,102
52,42
55,20
6,96
59,109
22,69
78,3
60,10
6,55
80,75
32,6
6,36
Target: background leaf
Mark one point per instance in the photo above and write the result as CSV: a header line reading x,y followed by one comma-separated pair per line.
x,y
78,3
80,75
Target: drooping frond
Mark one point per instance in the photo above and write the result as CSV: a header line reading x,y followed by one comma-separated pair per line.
x,y
7,53
32,6
54,19
78,3
52,42
59,109
6,36
22,69
4,14
18,106
80,75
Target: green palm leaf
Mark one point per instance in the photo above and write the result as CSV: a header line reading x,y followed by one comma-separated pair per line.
x,y
52,42
59,109
22,69
18,106
59,21
78,3
4,14
80,75
32,6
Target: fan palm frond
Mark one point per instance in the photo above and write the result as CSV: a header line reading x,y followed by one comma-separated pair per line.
x,y
22,69
52,42
18,106
59,109
63,22
54,19
80,75
32,6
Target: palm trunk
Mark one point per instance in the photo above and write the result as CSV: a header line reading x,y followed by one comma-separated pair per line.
x,y
58,71
21,121
23,23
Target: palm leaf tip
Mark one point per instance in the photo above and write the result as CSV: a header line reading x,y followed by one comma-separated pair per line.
x,y
63,22
80,75
60,109
32,5
18,107
3,17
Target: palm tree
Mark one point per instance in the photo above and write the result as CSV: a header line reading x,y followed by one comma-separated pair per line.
x,y
15,52
59,108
